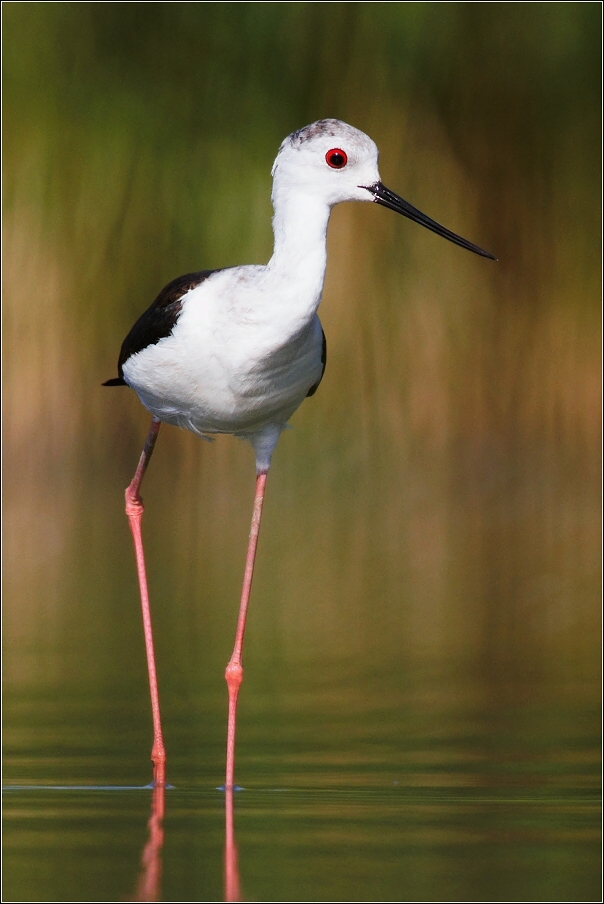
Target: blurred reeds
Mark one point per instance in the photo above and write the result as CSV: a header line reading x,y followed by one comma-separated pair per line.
x,y
441,492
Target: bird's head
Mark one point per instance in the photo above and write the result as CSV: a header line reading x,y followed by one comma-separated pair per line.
x,y
328,159
331,161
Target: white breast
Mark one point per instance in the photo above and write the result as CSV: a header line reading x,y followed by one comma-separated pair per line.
x,y
239,357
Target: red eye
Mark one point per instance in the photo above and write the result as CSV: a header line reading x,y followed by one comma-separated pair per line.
x,y
336,158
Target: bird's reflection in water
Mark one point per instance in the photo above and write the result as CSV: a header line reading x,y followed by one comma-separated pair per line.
x,y
148,885
232,891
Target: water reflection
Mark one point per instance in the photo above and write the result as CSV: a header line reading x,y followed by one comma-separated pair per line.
x,y
321,835
148,887
232,888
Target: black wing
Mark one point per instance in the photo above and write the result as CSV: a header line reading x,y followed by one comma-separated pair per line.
x,y
158,321
314,388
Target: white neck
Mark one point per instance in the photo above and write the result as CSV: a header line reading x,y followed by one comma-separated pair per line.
x,y
300,254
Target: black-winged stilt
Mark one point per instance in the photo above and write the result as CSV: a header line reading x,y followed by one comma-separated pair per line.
x,y
238,350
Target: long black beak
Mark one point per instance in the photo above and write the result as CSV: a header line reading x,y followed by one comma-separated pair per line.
x,y
387,198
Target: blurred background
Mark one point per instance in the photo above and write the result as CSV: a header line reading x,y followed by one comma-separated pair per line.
x,y
428,583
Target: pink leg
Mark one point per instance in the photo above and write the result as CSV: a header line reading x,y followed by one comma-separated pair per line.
x,y
134,510
234,670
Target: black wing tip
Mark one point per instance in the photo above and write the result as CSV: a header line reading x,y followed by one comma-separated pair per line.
x,y
115,381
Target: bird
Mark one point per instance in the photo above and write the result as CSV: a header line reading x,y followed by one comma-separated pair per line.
x,y
237,350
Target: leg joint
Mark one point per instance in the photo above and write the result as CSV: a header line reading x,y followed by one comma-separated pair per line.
x,y
134,503
233,675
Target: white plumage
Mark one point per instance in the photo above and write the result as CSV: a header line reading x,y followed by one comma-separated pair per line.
x,y
247,346
227,367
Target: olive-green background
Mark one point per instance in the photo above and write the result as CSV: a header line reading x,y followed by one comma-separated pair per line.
x,y
431,538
